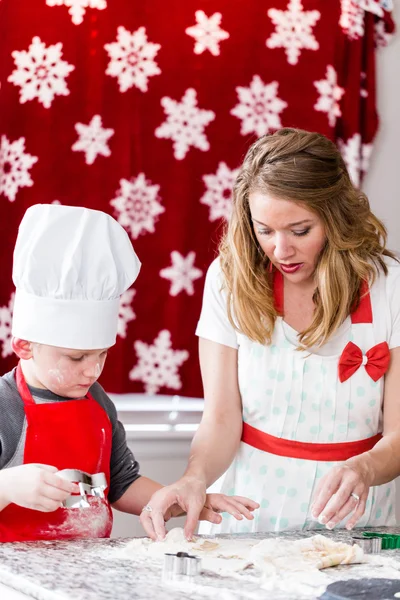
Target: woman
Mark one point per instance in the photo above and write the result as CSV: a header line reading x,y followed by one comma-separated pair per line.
x,y
299,351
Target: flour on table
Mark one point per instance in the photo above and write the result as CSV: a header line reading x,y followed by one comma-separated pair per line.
x,y
217,555
270,556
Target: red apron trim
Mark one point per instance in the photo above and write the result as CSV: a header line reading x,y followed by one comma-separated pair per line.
x,y
362,314
308,451
277,283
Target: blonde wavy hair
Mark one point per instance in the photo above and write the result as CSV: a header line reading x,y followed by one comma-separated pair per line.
x,y
308,169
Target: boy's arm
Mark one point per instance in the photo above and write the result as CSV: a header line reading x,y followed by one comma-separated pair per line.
x,y
137,495
124,468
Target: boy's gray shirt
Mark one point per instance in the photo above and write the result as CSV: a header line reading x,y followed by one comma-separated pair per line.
x,y
124,469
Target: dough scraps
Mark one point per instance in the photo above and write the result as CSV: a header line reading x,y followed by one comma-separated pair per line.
x,y
271,556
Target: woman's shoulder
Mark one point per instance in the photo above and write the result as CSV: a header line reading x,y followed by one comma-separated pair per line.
x,y
215,276
393,269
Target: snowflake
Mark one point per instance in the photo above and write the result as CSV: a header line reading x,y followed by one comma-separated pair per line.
x,y
374,6
40,72
92,139
219,192
158,364
126,312
356,156
182,273
352,19
259,107
77,8
14,166
293,30
137,204
185,124
5,327
207,33
132,59
352,15
330,95
381,36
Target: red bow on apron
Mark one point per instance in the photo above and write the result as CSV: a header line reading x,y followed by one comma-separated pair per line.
x,y
376,362
73,434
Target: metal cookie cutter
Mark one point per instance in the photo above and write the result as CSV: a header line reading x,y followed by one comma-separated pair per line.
x,y
89,485
181,567
368,545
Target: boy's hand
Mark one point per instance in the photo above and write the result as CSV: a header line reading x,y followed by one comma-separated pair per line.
x,y
35,486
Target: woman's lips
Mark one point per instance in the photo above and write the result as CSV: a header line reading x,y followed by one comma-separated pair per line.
x,y
291,268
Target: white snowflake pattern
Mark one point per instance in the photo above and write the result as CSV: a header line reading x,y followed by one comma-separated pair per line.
x,y
158,364
77,8
185,124
330,95
182,273
219,192
92,139
126,312
352,19
40,72
375,6
381,36
207,33
5,327
356,156
132,59
137,204
14,167
259,107
293,30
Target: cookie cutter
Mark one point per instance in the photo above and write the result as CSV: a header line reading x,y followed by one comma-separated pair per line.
x,y
370,545
390,541
181,567
89,485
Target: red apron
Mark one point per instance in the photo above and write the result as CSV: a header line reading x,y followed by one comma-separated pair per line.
x,y
74,434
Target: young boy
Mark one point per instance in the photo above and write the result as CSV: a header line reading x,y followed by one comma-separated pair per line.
x,y
71,265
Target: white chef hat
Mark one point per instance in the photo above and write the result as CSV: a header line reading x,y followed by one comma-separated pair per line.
x,y
71,265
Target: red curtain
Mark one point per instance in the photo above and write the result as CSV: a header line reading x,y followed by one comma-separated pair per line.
x,y
145,110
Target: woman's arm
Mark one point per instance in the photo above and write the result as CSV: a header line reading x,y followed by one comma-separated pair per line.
x,y
218,436
382,463
333,499
214,445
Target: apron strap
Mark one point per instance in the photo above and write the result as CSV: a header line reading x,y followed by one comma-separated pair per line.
x,y
23,387
362,314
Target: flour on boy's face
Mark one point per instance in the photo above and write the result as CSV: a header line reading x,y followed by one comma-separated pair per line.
x,y
66,372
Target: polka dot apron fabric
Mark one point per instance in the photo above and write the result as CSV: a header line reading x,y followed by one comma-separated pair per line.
x,y
298,396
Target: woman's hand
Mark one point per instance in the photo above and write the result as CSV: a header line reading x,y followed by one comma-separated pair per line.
x,y
343,490
237,506
186,496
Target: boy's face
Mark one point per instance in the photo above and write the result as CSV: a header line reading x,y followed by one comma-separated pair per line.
x,y
66,372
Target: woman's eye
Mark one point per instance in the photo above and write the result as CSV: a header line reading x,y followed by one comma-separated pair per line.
x,y
263,232
76,359
303,232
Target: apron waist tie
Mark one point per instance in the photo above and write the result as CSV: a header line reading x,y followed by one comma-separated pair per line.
x,y
306,450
